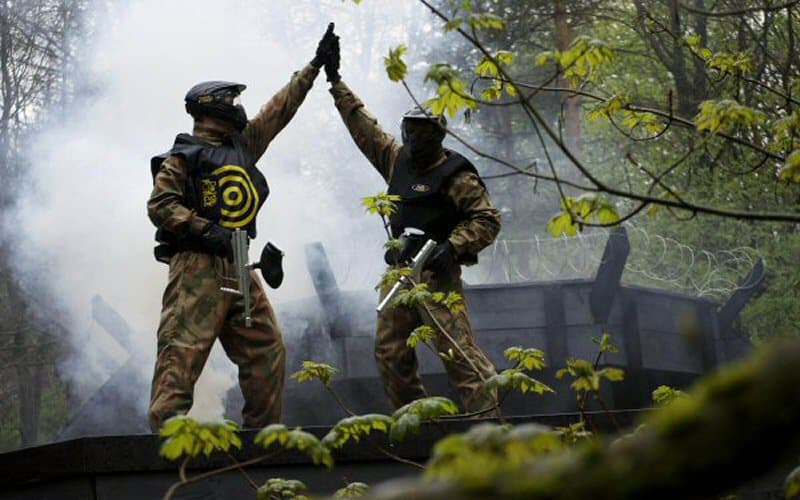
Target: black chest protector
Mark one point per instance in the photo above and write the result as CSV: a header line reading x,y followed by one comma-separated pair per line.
x,y
423,204
223,186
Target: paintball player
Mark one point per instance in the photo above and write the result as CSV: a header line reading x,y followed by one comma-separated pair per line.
x,y
205,187
442,195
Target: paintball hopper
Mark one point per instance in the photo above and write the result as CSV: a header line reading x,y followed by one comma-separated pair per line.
x,y
271,265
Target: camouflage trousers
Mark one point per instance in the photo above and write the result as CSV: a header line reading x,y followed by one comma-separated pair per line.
x,y
194,314
397,363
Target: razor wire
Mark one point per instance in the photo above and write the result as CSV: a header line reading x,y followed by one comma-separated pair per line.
x,y
654,260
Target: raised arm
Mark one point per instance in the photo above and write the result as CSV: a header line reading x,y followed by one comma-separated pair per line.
x,y
380,148
276,113
165,206
480,219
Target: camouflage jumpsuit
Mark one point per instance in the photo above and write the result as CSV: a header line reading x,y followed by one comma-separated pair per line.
x,y
194,310
479,226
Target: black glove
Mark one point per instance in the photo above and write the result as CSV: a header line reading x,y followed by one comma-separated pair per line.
x,y
324,48
218,240
332,64
442,259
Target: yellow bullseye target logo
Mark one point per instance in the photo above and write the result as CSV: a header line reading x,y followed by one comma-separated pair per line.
x,y
239,198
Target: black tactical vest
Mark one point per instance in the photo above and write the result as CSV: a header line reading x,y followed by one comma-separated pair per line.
x,y
223,186
423,204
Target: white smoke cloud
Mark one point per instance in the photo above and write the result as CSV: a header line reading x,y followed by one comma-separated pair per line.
x,y
81,229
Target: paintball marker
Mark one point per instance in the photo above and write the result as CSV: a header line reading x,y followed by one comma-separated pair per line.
x,y
417,263
269,264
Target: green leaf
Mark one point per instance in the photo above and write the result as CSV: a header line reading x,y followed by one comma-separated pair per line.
x,y
561,223
281,489
480,21
381,204
296,439
514,378
664,395
421,334
574,432
395,65
791,169
726,115
412,297
530,358
352,490
404,425
185,436
408,418
392,276
355,428
612,374
605,343
312,370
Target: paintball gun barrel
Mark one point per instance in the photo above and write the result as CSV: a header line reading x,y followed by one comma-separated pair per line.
x,y
240,261
417,263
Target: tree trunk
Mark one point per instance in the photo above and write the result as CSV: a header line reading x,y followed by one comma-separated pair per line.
x,y
571,104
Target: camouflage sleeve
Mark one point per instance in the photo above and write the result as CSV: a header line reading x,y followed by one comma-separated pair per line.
x,y
165,206
276,113
380,148
480,220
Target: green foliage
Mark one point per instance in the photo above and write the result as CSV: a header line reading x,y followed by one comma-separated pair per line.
x,y
408,418
573,433
605,343
382,204
586,377
395,65
421,334
453,301
488,450
733,63
577,211
582,61
393,244
477,21
313,370
488,68
664,395
616,108
785,133
530,358
726,115
452,93
515,378
414,296
352,490
355,428
791,170
186,436
791,487
282,489
295,439
392,276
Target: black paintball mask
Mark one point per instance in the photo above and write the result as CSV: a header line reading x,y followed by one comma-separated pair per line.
x,y
423,134
219,100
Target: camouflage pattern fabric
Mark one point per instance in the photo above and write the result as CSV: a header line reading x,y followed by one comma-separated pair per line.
x,y
478,228
194,311
397,363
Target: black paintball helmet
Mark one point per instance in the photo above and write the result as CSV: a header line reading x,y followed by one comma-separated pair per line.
x,y
419,121
218,99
